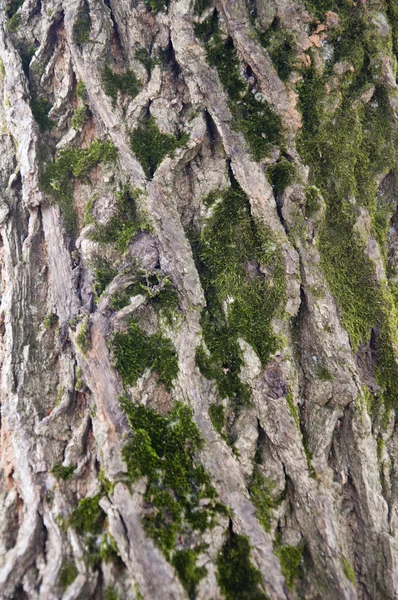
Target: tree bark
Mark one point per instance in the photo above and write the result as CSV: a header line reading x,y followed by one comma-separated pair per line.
x,y
198,259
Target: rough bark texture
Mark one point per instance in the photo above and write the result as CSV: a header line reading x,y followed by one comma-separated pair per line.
x,y
198,254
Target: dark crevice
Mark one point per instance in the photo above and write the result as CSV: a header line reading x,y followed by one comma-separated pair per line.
x,y
170,60
211,132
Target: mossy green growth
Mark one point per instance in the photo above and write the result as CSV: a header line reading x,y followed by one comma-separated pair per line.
x,y
12,7
312,201
293,407
236,575
88,517
14,23
164,449
156,6
134,351
232,252
125,82
79,118
145,58
67,574
64,473
81,90
82,25
348,570
50,321
57,179
392,14
111,594
157,288
259,124
280,44
151,146
281,175
83,340
125,222
261,494
290,558
104,272
108,550
40,108
217,416
200,6
348,150
323,373
107,486
184,562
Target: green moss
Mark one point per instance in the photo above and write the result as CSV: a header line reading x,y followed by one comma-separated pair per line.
x,y
14,23
50,321
241,302
259,124
64,473
281,175
156,6
79,385
158,289
348,150
211,198
151,146
104,273
138,594
392,14
79,117
200,6
123,224
108,550
82,25
82,340
184,562
312,201
88,517
236,575
67,574
217,416
261,495
379,448
293,407
57,179
12,7
125,82
323,373
88,217
81,90
280,44
164,449
290,558
121,299
145,58
107,486
2,70
111,594
348,570
207,28
40,108
134,351
59,396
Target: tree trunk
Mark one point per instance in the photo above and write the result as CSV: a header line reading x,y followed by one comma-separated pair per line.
x,y
199,342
